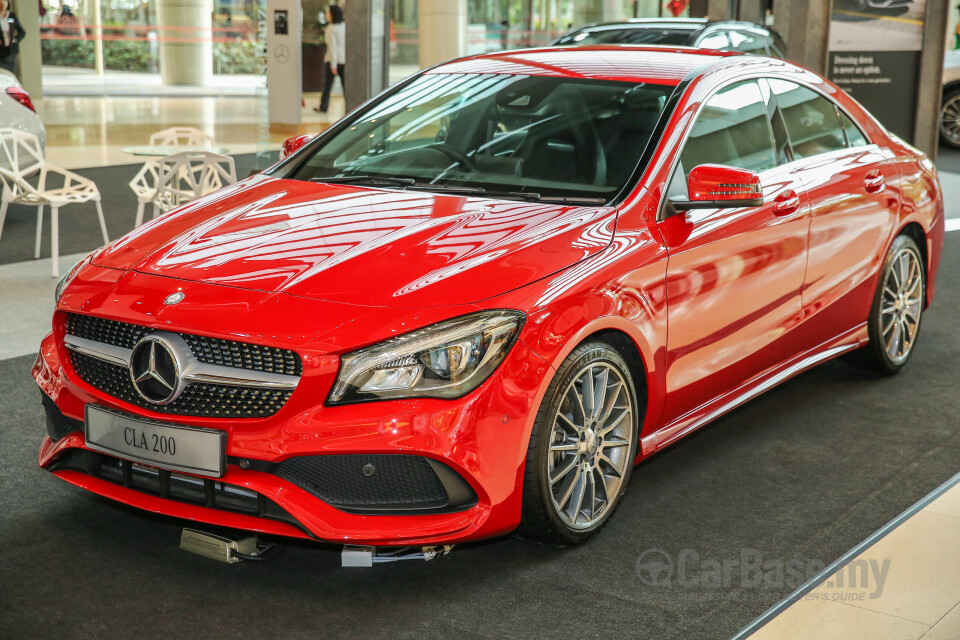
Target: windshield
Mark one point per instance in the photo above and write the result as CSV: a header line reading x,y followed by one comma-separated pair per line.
x,y
507,135
633,35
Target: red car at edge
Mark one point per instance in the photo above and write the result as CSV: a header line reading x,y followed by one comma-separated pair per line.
x,y
475,303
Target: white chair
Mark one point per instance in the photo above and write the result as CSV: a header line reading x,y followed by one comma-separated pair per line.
x,y
187,137
144,186
29,180
188,175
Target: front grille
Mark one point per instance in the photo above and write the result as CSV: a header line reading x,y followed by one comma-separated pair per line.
x,y
171,485
369,482
198,399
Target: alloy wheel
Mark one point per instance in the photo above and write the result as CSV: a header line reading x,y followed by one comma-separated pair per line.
x,y
950,120
901,305
590,445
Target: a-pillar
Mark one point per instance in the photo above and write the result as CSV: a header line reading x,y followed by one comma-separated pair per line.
x,y
443,30
186,47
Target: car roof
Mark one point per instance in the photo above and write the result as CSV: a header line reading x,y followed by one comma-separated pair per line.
x,y
631,63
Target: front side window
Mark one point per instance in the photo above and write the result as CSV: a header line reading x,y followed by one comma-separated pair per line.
x,y
504,134
811,120
732,129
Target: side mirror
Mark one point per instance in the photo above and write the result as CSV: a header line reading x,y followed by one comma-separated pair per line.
x,y
717,186
292,145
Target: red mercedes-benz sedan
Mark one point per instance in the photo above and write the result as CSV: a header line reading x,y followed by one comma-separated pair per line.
x,y
475,303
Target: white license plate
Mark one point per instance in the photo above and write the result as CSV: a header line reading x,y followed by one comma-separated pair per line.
x,y
173,447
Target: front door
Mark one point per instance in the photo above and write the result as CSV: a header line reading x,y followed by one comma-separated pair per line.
x,y
733,285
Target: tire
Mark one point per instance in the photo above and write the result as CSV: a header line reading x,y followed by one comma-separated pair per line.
x,y
888,351
601,455
949,120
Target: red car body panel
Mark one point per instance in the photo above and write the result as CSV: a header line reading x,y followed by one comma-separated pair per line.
x,y
720,305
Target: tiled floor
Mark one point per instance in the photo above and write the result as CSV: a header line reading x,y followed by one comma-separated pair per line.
x,y
904,587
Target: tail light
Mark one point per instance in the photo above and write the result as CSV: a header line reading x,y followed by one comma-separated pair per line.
x,y
22,97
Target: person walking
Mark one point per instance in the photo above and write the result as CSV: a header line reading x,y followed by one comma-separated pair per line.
x,y
12,32
335,58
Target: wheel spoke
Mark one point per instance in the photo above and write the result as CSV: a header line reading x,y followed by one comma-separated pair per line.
x,y
613,425
587,394
611,403
569,422
600,394
614,443
591,492
579,403
563,446
613,468
567,490
559,472
578,497
893,339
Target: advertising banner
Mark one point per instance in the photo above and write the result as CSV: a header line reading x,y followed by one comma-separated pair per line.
x,y
875,57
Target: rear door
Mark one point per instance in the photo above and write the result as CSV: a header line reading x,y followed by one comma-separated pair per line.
x,y
734,276
854,202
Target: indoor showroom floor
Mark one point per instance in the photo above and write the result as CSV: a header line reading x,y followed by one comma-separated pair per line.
x,y
837,476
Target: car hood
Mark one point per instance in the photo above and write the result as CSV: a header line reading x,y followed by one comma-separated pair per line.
x,y
360,245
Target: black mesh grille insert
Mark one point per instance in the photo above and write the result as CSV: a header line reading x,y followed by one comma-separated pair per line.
x,y
119,334
245,356
391,481
209,400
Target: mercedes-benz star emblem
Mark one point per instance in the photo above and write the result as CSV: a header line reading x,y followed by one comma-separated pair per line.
x,y
154,370
174,298
283,54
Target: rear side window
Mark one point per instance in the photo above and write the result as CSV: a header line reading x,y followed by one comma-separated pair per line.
x,y
670,37
715,40
748,42
811,120
732,129
855,136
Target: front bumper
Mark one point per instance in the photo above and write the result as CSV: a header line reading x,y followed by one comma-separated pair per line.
x,y
481,438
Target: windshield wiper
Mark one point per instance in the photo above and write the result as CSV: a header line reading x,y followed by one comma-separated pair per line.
x,y
480,191
360,179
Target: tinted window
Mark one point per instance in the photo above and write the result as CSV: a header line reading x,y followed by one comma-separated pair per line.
x,y
811,119
732,129
552,136
854,135
748,42
715,40
628,36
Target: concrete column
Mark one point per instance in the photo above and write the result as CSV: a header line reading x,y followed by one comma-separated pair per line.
x,y
368,51
443,30
805,27
190,62
929,93
30,62
751,11
719,10
589,11
97,38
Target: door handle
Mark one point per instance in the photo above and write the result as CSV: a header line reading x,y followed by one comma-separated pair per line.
x,y
786,203
874,182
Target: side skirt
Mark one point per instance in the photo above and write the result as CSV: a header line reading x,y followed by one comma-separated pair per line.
x,y
849,341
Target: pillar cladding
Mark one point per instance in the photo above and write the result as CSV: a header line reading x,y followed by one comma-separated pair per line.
x,y
186,47
443,30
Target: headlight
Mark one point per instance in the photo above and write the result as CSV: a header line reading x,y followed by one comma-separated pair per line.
x,y
68,276
445,360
